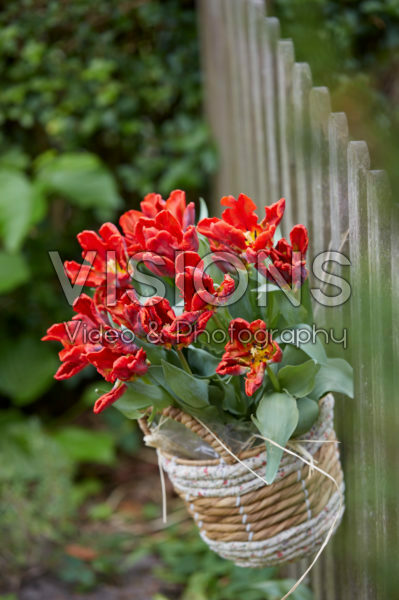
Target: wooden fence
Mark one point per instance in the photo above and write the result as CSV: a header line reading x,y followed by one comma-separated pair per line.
x,y
277,137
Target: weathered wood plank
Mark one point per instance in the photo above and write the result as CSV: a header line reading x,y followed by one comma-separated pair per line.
x,y
256,42
269,77
360,472
394,414
236,137
337,213
302,84
379,222
217,83
247,166
338,139
285,66
338,143
320,108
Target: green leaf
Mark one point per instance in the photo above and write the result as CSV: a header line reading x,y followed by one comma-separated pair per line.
x,y
298,380
313,348
14,158
155,354
234,401
277,588
81,178
293,356
14,271
267,288
291,313
141,395
308,410
15,208
276,418
27,367
335,376
192,391
82,445
202,362
203,212
198,586
39,202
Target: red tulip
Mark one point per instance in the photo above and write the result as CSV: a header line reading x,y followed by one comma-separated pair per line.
x,y
248,352
287,260
163,327
239,231
89,339
106,253
197,288
162,229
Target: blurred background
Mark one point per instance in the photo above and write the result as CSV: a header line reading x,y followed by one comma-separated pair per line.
x,y
99,105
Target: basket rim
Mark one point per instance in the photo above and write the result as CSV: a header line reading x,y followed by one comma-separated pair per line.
x,y
224,456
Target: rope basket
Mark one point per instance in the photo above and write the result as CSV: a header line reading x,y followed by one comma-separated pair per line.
x,y
243,519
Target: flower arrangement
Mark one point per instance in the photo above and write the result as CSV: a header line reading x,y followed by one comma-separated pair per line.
x,y
213,318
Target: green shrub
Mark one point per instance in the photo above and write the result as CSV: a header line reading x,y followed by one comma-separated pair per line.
x,y
35,497
121,80
97,104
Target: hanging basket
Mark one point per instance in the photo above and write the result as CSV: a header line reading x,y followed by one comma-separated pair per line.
x,y
243,519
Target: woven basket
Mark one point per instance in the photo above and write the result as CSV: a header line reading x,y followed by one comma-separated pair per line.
x,y
251,523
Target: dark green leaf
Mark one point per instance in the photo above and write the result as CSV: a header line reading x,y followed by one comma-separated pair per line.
x,y
293,356
141,395
277,588
234,401
81,178
303,337
292,314
14,271
15,207
192,391
308,410
202,362
298,380
83,445
335,376
276,419
27,367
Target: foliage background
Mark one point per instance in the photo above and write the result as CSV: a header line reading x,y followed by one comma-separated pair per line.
x,y
97,108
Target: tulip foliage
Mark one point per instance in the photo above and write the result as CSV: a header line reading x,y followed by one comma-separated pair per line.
x,y
213,317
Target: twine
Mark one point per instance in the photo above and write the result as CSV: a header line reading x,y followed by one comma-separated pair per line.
x,y
163,491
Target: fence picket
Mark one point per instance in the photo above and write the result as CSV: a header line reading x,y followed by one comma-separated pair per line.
x,y
338,144
256,41
236,137
380,215
272,32
285,66
338,139
248,164
319,234
360,472
301,88
394,491
320,109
